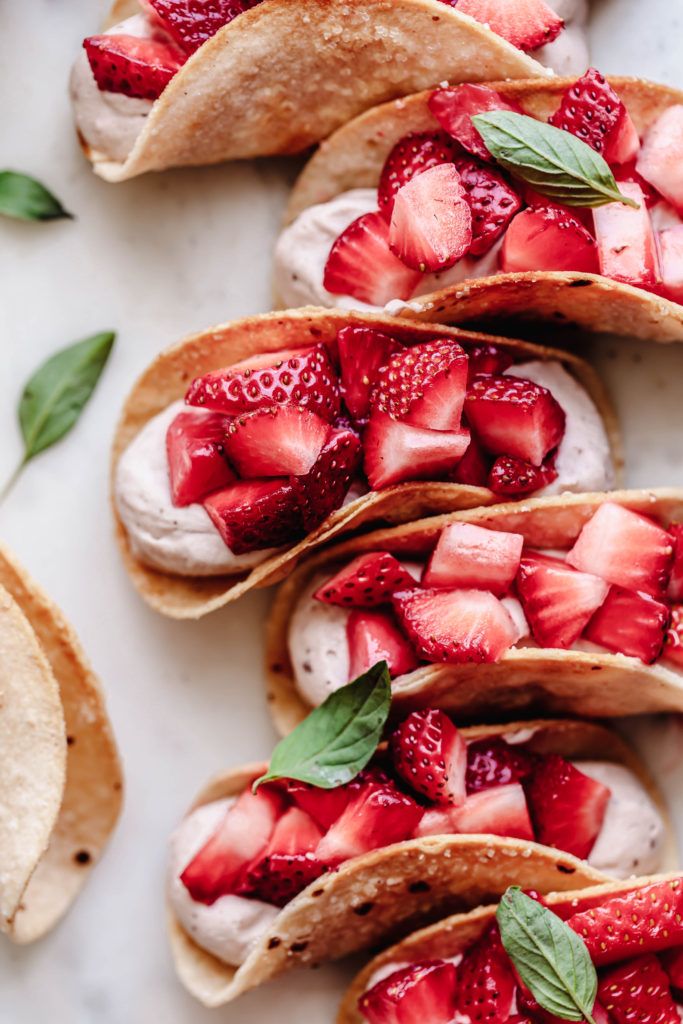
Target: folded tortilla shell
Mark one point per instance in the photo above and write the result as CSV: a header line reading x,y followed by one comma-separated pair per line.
x,y
529,679
354,156
168,377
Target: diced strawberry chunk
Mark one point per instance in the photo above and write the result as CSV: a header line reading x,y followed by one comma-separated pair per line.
x,y
254,514
196,461
376,816
324,487
454,109
323,805
431,756
626,241
548,238
638,991
628,172
436,821
494,762
527,24
431,222
424,385
492,200
363,351
630,623
567,807
673,643
396,451
671,262
373,636
420,993
412,155
278,441
499,811
661,156
472,556
192,22
455,626
368,580
362,265
486,981
487,359
592,110
288,864
675,589
514,416
558,600
473,468
511,478
672,961
133,66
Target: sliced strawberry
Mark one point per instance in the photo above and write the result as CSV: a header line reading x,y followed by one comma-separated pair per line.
x,y
628,172
397,451
548,238
278,441
424,385
368,580
511,478
558,600
196,460
673,642
661,157
323,489
436,821
472,556
487,359
630,623
374,636
514,416
567,807
626,242
412,155
133,66
486,981
473,468
672,962
192,22
254,514
430,755
499,811
363,351
420,993
431,222
625,548
670,242
455,626
591,110
454,109
362,265
675,589
527,24
323,805
288,864
638,992
492,200
493,762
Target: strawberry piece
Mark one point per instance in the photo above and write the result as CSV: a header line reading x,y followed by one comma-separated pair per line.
x,y
397,451
373,636
661,157
675,589
412,155
499,811
638,992
624,548
278,441
429,753
567,807
473,468
421,992
217,869
558,601
592,111
254,514
362,265
472,556
424,385
631,624
196,460
491,199
514,416
454,109
133,66
431,222
302,377
324,487
626,242
487,359
527,24
288,864
670,243
672,962
455,626
323,805
511,478
673,641
548,238
368,580
362,354
486,981
628,172
493,762
192,22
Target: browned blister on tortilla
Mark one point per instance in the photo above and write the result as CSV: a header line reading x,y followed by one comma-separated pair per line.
x,y
166,380
354,156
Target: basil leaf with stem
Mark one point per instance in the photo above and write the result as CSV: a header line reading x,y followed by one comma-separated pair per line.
x,y
25,198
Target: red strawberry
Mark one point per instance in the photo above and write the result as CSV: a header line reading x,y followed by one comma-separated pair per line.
x,y
673,642
626,243
670,244
455,626
281,440
368,580
591,110
672,962
514,416
420,993
424,385
192,22
472,556
430,755
362,353
527,24
362,265
511,478
499,811
558,601
548,238
661,157
324,487
492,201
412,155
567,807
254,514
638,992
493,762
288,864
454,109
396,451
133,66
487,359
628,172
431,222
323,805
374,636
486,981
302,376
630,623
473,468
196,460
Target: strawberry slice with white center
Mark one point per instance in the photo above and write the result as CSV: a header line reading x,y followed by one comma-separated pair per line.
x,y
302,377
473,468
420,993
456,626
368,580
558,600
132,66
431,222
362,265
548,238
670,242
499,811
424,385
288,864
251,515
626,242
486,981
527,24
472,556
675,589
493,202
487,359
363,352
283,440
196,460
454,109
373,636
412,155
625,548
396,451
567,807
630,623
638,992
514,416
192,22
493,762
661,157
430,755
511,478
324,487
593,112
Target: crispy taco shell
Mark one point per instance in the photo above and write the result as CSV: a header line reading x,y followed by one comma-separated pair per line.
x,y
168,377
529,679
61,769
389,891
354,156
240,96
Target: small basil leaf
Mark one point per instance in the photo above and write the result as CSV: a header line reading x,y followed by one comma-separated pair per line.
x,y
552,161
337,739
26,199
550,958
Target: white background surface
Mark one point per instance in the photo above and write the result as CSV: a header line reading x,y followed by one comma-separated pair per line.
x,y
156,258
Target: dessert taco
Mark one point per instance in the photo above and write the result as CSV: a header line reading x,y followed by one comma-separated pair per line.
x,y
304,425
576,221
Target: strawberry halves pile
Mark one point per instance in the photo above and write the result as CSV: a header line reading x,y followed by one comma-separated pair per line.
x,y
271,445
273,843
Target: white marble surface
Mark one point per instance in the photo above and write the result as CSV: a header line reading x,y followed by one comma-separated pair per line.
x,y
156,258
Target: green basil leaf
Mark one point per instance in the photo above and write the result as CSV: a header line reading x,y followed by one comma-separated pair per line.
x,y
25,198
337,739
550,958
552,161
